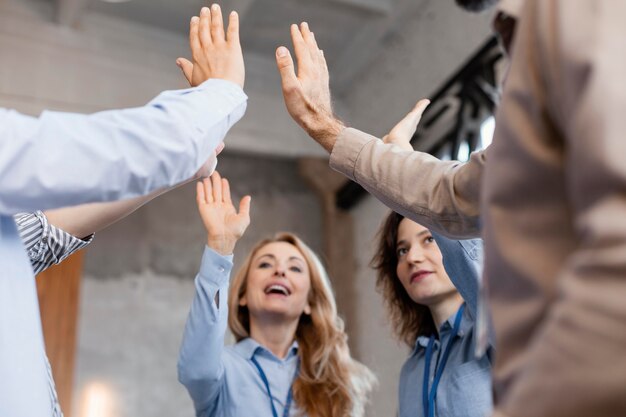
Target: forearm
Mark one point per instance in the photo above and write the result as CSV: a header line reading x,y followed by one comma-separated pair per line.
x,y
442,195
200,366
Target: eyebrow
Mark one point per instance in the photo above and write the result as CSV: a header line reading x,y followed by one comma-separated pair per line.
x,y
423,232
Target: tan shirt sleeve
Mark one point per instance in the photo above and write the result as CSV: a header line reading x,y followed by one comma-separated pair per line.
x,y
443,195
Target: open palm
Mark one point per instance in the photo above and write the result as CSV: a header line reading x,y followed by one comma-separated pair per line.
x,y
224,225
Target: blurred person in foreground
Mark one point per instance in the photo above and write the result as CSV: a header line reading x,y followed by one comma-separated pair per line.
x,y
547,197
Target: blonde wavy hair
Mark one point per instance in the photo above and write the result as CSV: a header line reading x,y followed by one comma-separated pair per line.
x,y
330,382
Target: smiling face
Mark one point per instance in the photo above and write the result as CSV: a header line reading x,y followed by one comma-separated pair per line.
x,y
420,265
278,283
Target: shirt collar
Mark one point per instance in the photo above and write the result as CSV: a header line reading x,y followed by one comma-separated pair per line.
x,y
466,325
248,347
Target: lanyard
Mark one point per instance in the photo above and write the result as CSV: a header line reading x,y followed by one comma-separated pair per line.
x,y
269,392
428,397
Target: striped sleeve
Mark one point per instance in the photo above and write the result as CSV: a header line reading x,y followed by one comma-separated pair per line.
x,y
45,244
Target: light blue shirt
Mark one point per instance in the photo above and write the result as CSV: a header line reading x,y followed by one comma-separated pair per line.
x,y
465,387
223,381
62,159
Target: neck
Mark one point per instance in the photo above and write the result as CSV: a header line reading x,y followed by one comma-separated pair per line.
x,y
275,335
445,309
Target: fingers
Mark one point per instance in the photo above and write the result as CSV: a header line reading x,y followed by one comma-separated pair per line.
x,y
244,206
303,56
288,77
226,191
200,198
414,117
309,40
204,28
208,190
233,28
402,132
186,67
194,39
420,107
323,67
216,183
217,24
219,148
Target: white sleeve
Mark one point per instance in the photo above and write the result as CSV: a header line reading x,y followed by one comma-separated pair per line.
x,y
63,159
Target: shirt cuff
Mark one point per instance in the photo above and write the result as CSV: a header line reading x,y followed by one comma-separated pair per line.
x,y
347,149
215,269
57,242
228,87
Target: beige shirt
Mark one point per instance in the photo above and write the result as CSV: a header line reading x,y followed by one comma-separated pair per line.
x,y
553,207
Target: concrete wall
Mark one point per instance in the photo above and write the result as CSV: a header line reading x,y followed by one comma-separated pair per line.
x,y
377,345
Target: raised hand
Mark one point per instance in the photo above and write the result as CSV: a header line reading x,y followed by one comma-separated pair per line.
x,y
402,133
215,53
307,94
224,225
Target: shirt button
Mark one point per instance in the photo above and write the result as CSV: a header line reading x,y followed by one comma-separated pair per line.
x,y
221,269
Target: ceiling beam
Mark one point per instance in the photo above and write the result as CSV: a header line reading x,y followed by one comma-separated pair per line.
x,y
367,43
68,12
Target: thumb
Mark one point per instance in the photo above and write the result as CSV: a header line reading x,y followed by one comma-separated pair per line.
x,y
244,206
288,77
186,67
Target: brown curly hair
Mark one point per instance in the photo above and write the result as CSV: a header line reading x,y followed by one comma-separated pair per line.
x,y
408,318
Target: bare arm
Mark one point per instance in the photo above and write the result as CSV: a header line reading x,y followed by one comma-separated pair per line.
x,y
86,219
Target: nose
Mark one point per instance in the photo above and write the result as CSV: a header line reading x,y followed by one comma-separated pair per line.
x,y
279,271
416,254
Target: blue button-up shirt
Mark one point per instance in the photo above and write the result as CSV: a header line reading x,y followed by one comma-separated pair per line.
x,y
465,386
223,381
62,159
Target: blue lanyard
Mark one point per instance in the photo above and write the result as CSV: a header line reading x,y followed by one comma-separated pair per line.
x,y
428,397
269,392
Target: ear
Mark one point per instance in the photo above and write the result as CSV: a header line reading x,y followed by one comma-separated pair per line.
x,y
307,309
243,301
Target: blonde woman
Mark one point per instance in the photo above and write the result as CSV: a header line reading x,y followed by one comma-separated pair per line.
x,y
291,357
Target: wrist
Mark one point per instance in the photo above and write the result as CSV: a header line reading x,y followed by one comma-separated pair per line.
x,y
325,130
222,244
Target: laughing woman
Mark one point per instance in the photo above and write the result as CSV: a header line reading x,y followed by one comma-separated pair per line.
x,y
291,356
